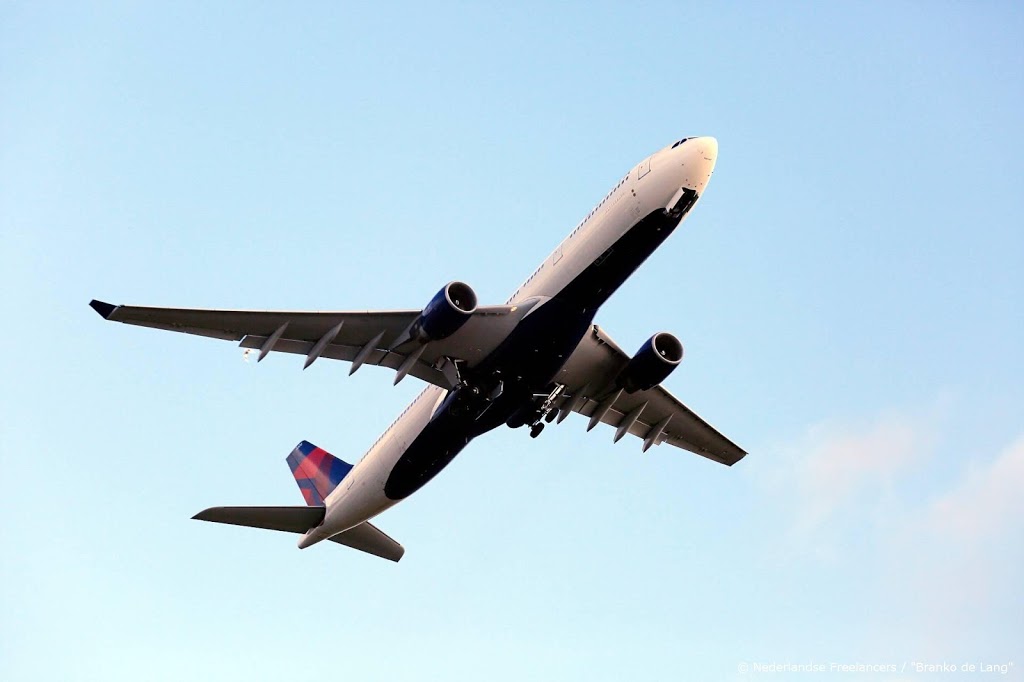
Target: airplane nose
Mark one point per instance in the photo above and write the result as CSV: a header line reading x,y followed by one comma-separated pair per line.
x,y
709,146
698,156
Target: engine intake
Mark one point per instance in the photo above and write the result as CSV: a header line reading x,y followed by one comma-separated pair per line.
x,y
450,308
652,364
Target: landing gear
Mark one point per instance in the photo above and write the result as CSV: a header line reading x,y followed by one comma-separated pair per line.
x,y
515,421
546,412
547,408
537,412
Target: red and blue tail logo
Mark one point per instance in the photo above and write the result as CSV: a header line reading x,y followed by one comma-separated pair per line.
x,y
317,471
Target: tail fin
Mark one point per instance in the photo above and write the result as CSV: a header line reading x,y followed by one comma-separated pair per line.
x,y
316,471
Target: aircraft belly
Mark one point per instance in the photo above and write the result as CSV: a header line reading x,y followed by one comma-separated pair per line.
x,y
362,493
608,270
430,451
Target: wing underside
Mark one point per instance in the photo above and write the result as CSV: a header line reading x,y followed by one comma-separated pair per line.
x,y
368,337
359,337
654,415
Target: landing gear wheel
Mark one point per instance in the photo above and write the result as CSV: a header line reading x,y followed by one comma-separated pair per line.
x,y
550,416
515,421
536,429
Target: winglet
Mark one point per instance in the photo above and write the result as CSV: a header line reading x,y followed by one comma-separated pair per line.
x,y
104,309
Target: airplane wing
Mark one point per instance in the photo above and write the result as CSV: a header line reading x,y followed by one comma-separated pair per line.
x,y
654,415
359,337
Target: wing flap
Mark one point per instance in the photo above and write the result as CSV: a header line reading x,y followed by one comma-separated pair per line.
x,y
377,357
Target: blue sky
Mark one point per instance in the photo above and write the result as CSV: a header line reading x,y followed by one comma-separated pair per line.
x,y
849,292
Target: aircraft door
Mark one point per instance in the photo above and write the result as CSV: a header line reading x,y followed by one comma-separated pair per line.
x,y
557,255
644,168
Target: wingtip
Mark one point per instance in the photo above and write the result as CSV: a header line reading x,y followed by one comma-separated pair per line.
x,y
741,456
204,515
104,309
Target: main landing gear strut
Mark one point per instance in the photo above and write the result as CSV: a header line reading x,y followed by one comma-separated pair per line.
x,y
546,412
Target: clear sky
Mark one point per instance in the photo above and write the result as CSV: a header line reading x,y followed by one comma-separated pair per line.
x,y
850,292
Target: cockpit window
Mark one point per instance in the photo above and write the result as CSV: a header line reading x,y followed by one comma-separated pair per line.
x,y
680,142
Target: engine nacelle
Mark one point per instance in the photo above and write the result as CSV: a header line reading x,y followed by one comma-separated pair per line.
x,y
447,311
652,364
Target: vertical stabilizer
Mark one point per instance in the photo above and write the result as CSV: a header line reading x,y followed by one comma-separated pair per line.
x,y
317,471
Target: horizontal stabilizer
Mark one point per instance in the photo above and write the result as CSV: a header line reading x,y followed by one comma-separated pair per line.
x,y
365,537
288,519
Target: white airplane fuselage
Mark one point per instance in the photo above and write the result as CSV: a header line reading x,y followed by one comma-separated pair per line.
x,y
561,298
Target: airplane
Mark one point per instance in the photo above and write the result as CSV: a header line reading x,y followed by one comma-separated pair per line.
x,y
534,360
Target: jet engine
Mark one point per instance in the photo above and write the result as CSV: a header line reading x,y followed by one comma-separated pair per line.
x,y
450,308
652,364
